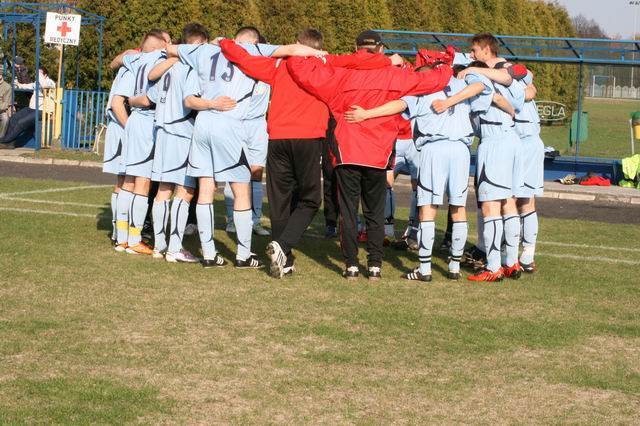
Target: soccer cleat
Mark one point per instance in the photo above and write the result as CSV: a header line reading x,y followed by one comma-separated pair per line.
x,y
140,248
330,231
374,273
486,275
191,229
183,256
258,229
445,247
454,276
231,228
529,268
474,258
362,236
278,259
157,254
351,273
514,272
216,262
120,248
288,271
252,262
415,275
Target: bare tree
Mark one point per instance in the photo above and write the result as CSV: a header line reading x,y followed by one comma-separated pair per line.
x,y
587,28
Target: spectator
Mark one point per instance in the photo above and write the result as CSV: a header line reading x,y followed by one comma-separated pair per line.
x,y
5,104
24,120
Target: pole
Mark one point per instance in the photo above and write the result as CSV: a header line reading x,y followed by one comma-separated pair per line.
x,y
580,75
57,130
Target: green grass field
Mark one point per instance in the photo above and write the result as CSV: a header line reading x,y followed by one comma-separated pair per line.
x,y
91,336
608,130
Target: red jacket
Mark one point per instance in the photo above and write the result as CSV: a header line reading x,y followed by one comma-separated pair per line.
x,y
369,143
294,113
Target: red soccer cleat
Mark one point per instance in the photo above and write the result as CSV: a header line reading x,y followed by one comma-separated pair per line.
x,y
487,276
514,272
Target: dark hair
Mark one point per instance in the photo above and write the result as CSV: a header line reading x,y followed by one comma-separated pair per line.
x,y
155,32
193,30
311,37
458,68
478,64
44,70
248,30
485,39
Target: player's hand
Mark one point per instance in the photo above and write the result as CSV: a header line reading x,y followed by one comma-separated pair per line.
x,y
216,41
223,103
396,60
320,53
463,73
440,106
356,115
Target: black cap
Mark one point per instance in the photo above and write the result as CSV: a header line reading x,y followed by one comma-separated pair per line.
x,y
368,38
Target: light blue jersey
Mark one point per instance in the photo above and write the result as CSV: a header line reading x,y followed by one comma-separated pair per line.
x,y
454,124
122,85
219,77
168,95
140,65
494,121
527,119
259,102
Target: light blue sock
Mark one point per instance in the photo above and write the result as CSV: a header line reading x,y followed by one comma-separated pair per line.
x,y
529,237
228,202
459,233
511,238
122,215
179,216
426,234
137,215
493,230
160,215
205,217
257,194
114,215
244,229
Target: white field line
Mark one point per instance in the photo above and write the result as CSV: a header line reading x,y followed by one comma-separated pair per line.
x,y
586,246
45,191
51,212
589,259
57,203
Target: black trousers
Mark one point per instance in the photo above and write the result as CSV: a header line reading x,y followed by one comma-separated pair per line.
x,y
293,187
22,121
330,189
357,183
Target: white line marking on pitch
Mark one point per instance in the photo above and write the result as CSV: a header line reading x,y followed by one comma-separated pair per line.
x,y
586,246
57,203
44,191
11,209
590,259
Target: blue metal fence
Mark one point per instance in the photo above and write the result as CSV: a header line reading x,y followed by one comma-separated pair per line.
x,y
83,118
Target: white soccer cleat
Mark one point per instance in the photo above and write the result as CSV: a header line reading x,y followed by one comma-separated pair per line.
x,y
157,254
278,259
183,256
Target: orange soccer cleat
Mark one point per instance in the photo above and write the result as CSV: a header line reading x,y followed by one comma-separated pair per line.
x,y
486,275
140,248
120,248
514,272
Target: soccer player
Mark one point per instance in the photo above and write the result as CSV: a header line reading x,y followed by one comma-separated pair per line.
x,y
174,129
297,125
529,168
219,150
362,151
117,116
443,133
257,143
137,155
496,179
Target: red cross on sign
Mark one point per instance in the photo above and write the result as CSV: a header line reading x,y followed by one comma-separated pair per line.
x,y
63,29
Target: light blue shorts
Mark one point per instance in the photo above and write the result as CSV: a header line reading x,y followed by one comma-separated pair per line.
x,y
495,168
443,168
139,145
406,158
530,167
258,141
171,159
113,146
219,149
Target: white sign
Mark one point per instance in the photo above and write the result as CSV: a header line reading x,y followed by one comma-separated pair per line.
x,y
62,29
551,111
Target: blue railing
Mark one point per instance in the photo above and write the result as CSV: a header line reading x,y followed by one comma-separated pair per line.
x,y
83,118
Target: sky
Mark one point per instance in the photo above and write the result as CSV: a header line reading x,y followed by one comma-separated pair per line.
x,y
614,16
